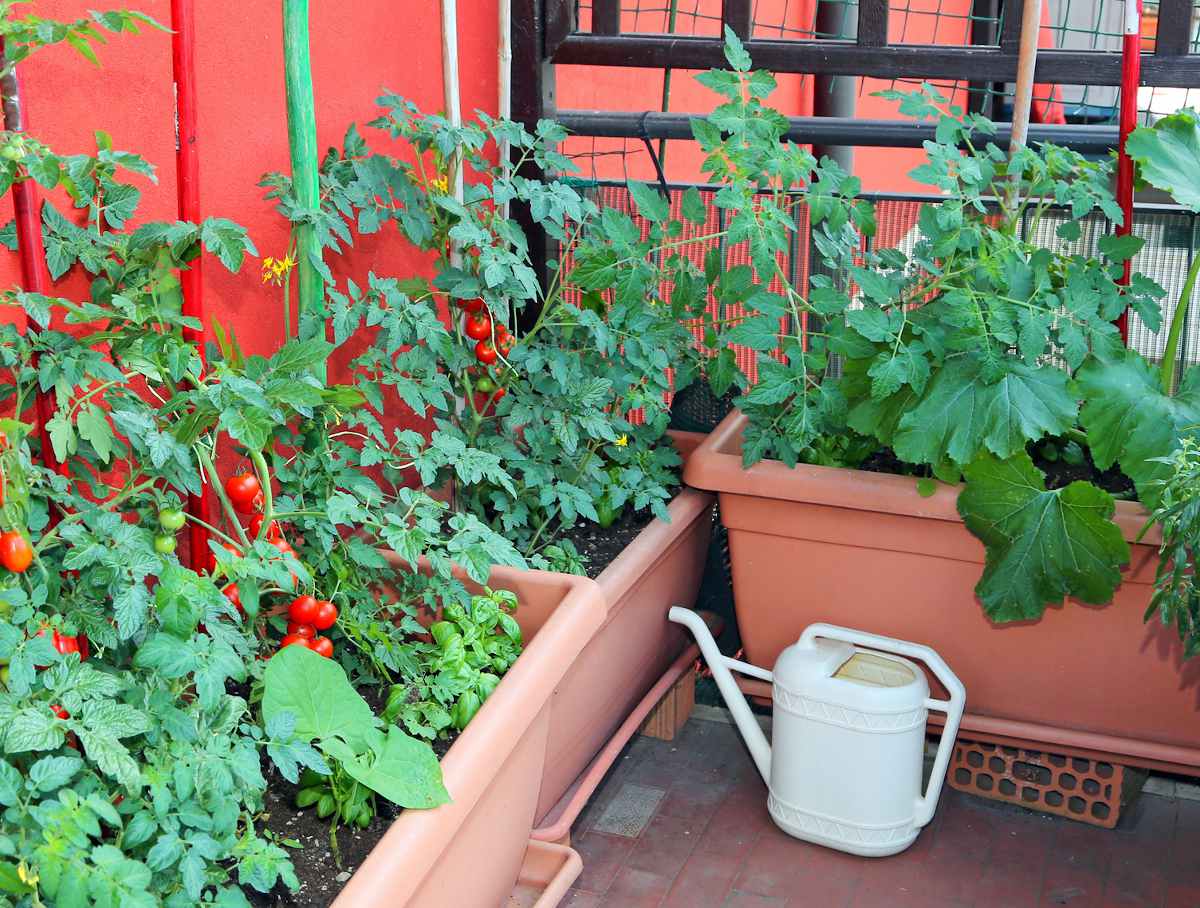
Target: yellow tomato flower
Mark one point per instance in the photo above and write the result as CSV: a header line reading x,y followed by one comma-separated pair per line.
x,y
440,184
622,441
274,270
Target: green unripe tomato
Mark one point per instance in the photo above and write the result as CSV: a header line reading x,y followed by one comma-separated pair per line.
x,y
485,385
306,797
164,545
4,676
364,817
325,805
172,519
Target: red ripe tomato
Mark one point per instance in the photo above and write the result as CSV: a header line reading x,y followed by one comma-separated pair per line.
x,y
478,326
59,711
242,489
501,332
283,546
232,549
303,610
65,644
505,344
296,629
256,529
322,645
295,638
16,553
500,392
485,352
327,615
234,595
474,305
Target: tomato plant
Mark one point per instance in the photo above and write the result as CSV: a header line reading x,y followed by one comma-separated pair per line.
x,y
530,389
131,732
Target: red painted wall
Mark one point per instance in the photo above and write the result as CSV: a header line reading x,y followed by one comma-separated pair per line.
x,y
358,49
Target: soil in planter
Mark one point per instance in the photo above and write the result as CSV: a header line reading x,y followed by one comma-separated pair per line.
x,y
1058,472
601,545
320,878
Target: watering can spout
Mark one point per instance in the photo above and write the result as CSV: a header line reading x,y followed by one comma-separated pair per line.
x,y
720,665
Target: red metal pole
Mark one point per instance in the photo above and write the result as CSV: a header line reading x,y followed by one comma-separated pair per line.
x,y
1131,66
187,177
34,276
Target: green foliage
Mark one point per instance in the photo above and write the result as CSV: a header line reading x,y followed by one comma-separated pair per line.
x,y
1042,545
764,182
26,34
312,697
471,647
1176,596
1168,155
963,348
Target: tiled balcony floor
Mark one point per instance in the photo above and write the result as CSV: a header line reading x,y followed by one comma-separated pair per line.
x,y
695,834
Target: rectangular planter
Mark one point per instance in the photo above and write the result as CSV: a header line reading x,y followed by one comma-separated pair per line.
x,y
865,550
636,645
470,851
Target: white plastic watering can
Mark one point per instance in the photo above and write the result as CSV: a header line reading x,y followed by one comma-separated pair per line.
x,y
849,734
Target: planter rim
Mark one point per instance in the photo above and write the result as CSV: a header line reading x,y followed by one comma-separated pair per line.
x,y
716,465
470,764
651,544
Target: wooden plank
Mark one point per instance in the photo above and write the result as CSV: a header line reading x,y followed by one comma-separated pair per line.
x,y
872,23
673,710
736,14
1010,31
1174,36
910,61
606,17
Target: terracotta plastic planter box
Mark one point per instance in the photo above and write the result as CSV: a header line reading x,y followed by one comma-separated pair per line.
x,y
866,551
472,851
633,649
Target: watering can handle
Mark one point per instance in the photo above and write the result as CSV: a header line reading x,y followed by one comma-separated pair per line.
x,y
953,708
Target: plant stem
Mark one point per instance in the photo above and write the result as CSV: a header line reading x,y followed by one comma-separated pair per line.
x,y
117,499
1175,335
226,505
264,479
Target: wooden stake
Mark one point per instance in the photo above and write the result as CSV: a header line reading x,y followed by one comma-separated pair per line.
x,y
1031,21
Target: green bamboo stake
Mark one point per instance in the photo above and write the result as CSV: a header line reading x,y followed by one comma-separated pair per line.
x,y
302,142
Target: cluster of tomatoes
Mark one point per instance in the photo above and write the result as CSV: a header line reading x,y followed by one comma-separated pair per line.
x,y
306,614
492,341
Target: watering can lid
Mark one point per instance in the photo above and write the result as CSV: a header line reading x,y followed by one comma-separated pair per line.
x,y
839,673
820,658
